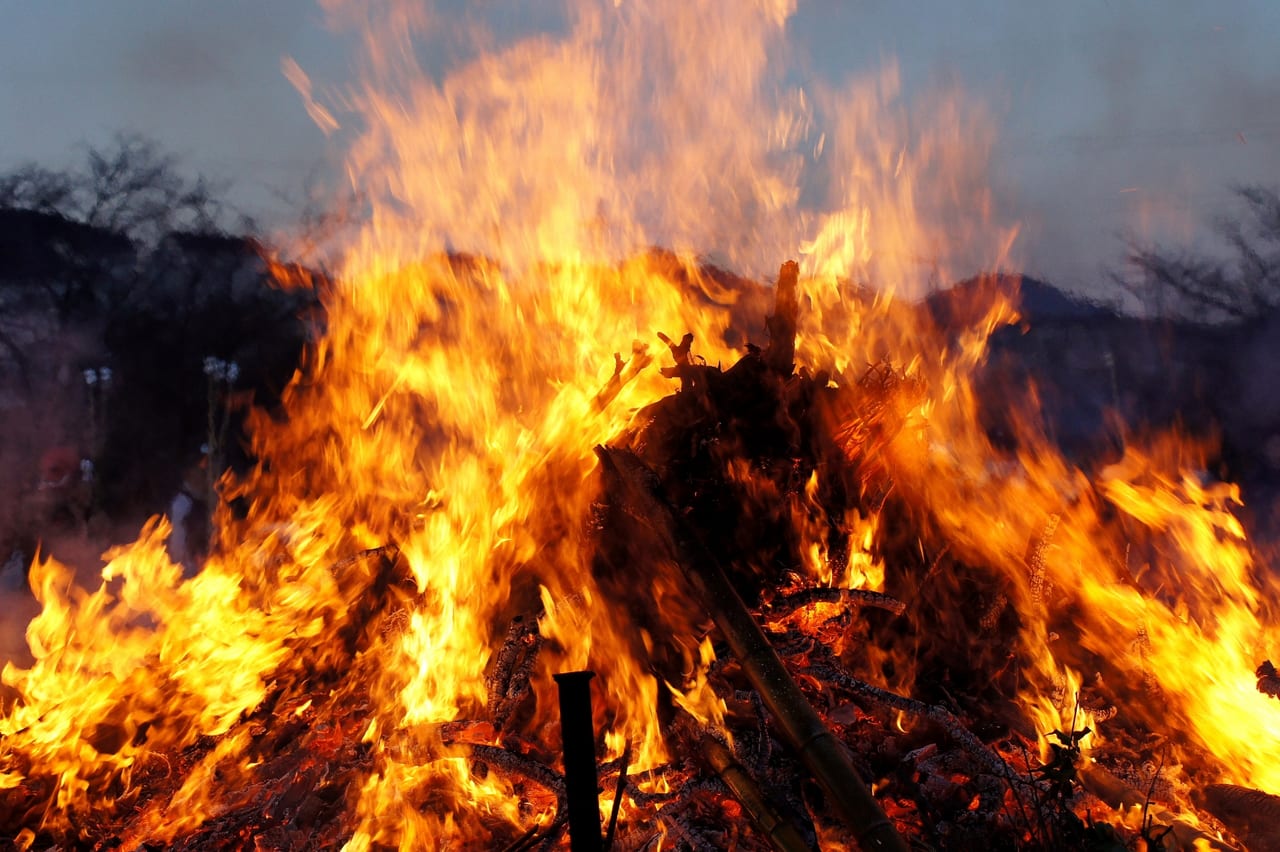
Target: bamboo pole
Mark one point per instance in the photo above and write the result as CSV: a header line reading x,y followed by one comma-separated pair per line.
x,y
820,751
779,831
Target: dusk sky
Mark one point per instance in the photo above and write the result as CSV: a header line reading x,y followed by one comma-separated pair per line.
x,y
1111,118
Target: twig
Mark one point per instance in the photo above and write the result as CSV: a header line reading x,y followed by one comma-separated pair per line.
x,y
623,372
618,790
647,799
1040,826
771,825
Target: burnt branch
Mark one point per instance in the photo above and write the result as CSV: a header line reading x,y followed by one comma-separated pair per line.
x,y
623,372
787,604
512,763
499,679
1119,795
940,716
510,684
781,353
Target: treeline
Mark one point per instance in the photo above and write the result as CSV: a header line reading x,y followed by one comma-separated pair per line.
x,y
138,319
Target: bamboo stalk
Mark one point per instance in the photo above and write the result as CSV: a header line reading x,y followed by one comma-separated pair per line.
x,y
820,751
779,831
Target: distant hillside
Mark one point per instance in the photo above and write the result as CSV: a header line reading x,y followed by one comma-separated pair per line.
x,y
1086,361
1038,302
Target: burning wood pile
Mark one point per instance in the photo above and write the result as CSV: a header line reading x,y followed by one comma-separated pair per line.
x,y
829,683
824,607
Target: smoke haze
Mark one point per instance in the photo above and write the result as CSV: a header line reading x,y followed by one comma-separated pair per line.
x,y
1110,121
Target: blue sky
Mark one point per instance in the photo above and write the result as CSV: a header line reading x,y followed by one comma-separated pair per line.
x,y
1111,118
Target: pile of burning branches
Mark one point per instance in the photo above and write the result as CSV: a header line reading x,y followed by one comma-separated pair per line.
x,y
814,741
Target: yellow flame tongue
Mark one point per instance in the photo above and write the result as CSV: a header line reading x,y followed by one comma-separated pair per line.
x,y
450,410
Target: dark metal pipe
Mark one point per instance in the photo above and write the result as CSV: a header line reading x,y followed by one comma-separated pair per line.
x,y
581,781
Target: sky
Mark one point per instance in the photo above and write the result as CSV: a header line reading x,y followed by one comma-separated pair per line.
x,y
1113,120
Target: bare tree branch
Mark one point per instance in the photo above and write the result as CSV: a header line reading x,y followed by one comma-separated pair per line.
x,y
1242,284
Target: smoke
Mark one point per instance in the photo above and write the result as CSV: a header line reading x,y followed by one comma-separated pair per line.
x,y
1138,131
1112,121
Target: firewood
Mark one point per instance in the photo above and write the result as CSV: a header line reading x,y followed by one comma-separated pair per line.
x,y
509,682
781,353
963,737
503,662
515,764
1110,789
1252,815
788,604
822,753
771,825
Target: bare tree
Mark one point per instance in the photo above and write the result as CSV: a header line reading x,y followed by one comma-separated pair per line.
x,y
1243,284
130,187
33,187
74,240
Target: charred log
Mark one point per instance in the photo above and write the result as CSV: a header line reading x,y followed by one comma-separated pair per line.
x,y
787,604
780,356
1252,815
1117,794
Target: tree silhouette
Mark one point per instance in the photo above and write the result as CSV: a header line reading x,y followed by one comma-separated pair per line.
x,y
1242,285
130,187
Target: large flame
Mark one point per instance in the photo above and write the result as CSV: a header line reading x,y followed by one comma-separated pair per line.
x,y
446,419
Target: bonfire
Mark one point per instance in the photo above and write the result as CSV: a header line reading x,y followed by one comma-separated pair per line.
x,y
820,606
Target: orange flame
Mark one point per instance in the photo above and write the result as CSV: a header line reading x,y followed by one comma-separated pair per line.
x,y
446,421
